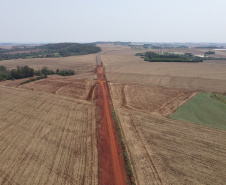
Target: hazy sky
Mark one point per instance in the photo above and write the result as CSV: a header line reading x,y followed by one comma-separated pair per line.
x,y
115,20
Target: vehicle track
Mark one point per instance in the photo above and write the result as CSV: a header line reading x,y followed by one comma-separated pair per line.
x,y
117,169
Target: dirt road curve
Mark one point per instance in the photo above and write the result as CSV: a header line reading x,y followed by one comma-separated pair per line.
x,y
111,163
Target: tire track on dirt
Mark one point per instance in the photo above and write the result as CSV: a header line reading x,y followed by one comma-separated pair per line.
x,y
112,170
116,173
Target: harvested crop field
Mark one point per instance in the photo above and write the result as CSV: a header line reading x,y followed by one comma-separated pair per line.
x,y
166,151
160,100
46,138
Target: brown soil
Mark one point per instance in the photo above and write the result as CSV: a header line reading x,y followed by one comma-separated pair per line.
x,y
111,164
91,93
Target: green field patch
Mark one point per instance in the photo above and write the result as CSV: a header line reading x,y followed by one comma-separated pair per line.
x,y
204,109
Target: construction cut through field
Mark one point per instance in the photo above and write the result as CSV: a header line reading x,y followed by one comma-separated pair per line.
x,y
46,138
206,109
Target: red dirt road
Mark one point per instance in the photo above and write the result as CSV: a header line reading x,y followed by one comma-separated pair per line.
x,y
111,164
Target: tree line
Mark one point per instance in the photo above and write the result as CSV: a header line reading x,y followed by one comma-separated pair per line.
x,y
209,52
169,57
25,72
49,50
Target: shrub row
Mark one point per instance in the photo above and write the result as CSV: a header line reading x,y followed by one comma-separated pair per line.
x,y
20,72
33,79
210,52
218,98
65,72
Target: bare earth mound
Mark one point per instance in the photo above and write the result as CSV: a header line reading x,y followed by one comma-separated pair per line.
x,y
46,139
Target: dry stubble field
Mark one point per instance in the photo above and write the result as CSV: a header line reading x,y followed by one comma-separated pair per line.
x,y
46,139
166,151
